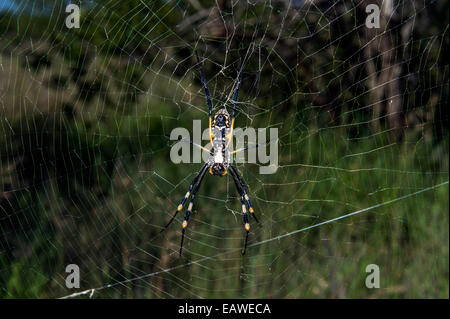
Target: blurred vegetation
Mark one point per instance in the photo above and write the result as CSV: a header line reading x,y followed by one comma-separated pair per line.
x,y
85,175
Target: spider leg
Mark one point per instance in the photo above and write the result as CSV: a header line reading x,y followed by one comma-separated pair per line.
x,y
239,181
196,145
252,146
244,209
208,97
234,101
183,201
189,210
246,224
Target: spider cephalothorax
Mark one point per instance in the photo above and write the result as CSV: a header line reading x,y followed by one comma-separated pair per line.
x,y
219,163
221,119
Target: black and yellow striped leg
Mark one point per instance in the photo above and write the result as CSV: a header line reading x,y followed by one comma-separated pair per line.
x,y
189,210
238,180
246,224
184,225
244,208
185,222
183,201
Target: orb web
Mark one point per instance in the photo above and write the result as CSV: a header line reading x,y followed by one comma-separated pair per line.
x,y
86,174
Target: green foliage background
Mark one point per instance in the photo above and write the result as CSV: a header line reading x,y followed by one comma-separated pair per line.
x,y
84,159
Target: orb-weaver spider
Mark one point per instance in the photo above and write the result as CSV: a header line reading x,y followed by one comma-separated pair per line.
x,y
220,135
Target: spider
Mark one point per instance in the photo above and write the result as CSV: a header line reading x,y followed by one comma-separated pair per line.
x,y
219,161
